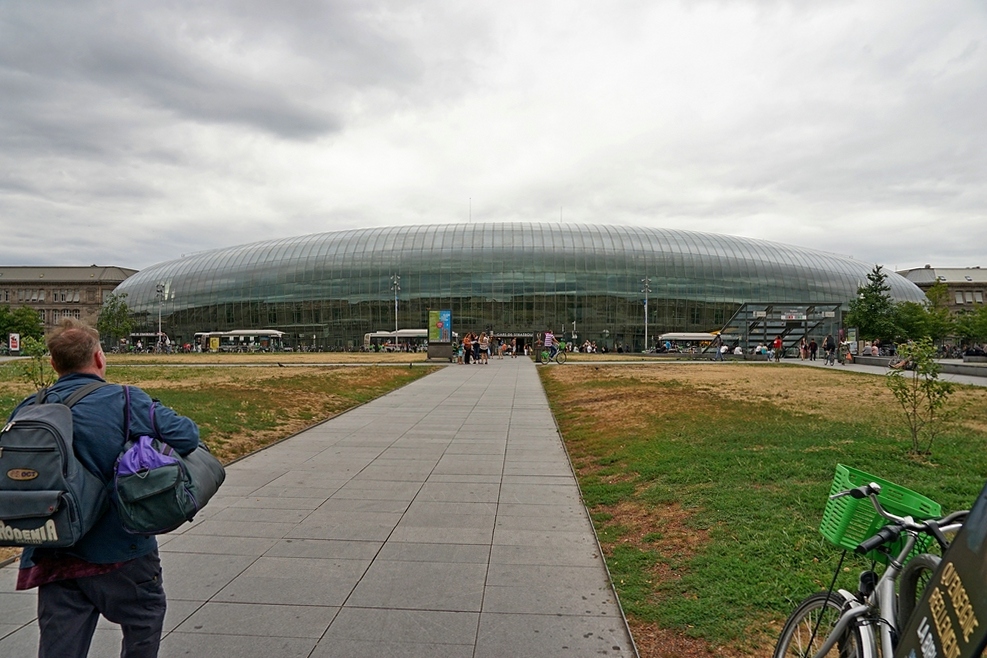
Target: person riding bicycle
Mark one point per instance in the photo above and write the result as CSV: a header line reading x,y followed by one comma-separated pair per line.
x,y
551,344
829,347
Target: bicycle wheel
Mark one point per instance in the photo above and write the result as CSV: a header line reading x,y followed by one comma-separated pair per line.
x,y
560,357
914,579
800,636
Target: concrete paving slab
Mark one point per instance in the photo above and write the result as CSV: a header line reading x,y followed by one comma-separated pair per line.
x,y
452,586
442,519
260,620
550,636
425,627
202,645
295,581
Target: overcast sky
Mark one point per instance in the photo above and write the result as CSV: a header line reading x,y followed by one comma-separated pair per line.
x,y
135,132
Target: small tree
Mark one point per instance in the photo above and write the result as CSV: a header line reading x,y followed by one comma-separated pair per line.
x,y
37,369
921,394
873,311
115,319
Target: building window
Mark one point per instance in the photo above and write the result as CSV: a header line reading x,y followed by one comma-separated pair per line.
x,y
41,314
978,297
968,278
969,297
959,298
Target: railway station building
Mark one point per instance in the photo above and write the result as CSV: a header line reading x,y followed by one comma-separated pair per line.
x,y
609,284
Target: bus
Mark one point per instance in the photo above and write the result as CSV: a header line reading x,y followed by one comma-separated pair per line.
x,y
146,341
241,340
402,340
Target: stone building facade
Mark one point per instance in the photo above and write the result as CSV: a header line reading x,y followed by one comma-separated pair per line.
x,y
57,292
967,286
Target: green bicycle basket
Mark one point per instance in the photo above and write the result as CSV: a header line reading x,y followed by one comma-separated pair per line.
x,y
848,521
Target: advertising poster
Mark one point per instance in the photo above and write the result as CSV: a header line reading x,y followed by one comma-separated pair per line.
x,y
14,342
951,619
440,326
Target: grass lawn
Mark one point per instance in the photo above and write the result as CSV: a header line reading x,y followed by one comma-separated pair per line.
x,y
241,409
707,483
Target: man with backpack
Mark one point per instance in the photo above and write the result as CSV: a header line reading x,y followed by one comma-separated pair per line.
x,y
108,571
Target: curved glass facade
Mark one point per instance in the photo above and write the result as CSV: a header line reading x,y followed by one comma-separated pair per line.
x,y
328,289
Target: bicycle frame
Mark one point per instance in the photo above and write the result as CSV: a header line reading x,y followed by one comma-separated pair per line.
x,y
883,599
855,609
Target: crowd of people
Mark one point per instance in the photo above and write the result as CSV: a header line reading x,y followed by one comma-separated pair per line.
x,y
477,349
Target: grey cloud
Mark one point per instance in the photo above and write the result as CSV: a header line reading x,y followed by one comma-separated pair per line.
x,y
286,68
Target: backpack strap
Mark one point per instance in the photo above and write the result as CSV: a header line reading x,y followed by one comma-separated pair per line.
x,y
76,395
82,392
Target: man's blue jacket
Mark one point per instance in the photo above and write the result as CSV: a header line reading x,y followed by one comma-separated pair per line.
x,y
98,427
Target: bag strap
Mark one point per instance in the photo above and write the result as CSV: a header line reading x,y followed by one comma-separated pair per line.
x,y
126,413
82,392
154,422
76,395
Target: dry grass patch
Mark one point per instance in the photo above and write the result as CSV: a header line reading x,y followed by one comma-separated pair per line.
x,y
790,387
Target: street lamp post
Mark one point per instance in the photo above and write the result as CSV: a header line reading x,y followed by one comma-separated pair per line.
x,y
396,287
160,295
646,289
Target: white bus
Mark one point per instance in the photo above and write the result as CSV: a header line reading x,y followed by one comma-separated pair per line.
x,y
241,340
402,340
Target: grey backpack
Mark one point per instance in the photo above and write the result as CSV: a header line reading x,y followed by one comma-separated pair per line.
x,y
47,497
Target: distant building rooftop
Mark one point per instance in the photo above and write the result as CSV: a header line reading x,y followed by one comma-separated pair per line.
x,y
965,285
64,274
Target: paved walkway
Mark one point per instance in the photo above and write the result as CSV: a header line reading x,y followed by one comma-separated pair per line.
x,y
442,519
970,380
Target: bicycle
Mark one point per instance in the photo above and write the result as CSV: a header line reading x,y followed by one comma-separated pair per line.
x,y
546,357
842,623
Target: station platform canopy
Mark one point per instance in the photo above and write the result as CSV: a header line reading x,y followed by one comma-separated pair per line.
x,y
687,336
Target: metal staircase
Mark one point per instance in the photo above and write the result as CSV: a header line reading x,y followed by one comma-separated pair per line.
x,y
762,322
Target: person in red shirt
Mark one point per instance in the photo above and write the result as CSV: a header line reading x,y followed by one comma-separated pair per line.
x,y
778,346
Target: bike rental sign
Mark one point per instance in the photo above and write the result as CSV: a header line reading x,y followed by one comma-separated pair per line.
x,y
951,619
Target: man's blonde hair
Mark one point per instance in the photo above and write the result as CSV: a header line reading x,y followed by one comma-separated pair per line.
x,y
72,345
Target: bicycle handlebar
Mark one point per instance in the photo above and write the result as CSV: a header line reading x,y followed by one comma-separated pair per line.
x,y
885,535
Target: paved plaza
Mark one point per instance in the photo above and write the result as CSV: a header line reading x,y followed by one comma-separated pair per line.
x,y
440,520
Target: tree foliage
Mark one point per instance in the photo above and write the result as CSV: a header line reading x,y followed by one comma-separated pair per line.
x,y
873,311
24,321
115,318
940,323
913,320
972,325
923,397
